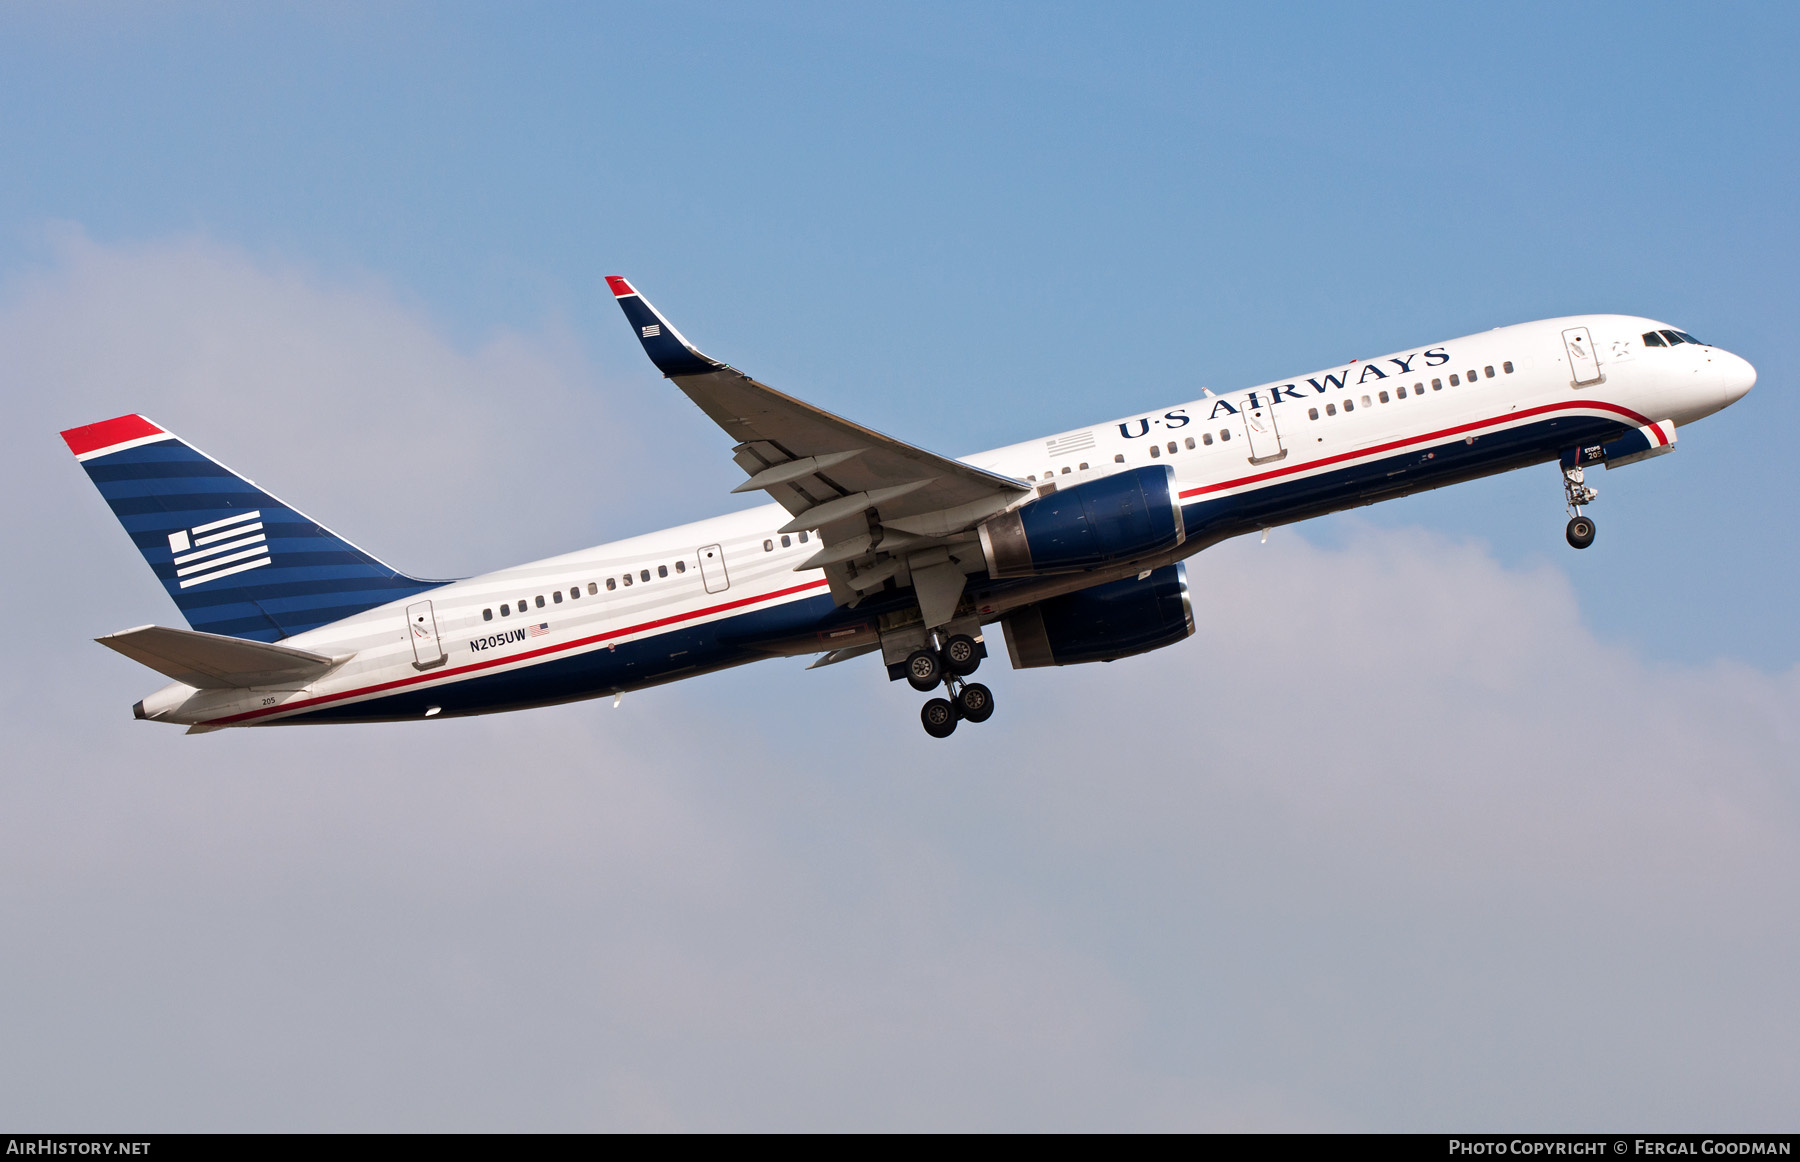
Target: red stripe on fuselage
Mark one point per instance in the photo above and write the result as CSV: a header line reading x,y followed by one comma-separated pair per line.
x,y
106,433
510,659
1429,437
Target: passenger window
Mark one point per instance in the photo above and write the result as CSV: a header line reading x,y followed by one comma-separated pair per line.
x,y
1155,452
1119,458
1189,442
524,604
662,570
1652,339
643,574
1206,438
1032,478
803,536
1065,470
1471,375
611,584
1083,464
1349,405
1488,371
626,577
1438,384
787,542
1400,392
1383,397
1454,382
1507,367
768,546
1172,451
1049,473
1331,409
681,566
487,615
540,601
505,610
1224,435
556,597
1312,413
592,588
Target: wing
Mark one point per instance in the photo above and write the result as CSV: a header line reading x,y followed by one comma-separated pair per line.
x,y
883,508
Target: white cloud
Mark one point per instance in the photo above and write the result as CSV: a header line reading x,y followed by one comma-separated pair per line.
x,y
1392,842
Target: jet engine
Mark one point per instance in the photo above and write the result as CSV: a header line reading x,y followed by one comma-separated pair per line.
x,y
1115,518
1104,623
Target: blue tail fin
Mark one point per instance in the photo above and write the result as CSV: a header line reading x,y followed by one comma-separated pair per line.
x,y
236,560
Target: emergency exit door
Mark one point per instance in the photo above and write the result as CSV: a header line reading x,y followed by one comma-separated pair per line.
x,y
1265,438
1584,361
712,569
421,627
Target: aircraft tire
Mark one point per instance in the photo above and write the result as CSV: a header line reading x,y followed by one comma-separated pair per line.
x,y
976,702
1581,532
924,670
961,656
939,717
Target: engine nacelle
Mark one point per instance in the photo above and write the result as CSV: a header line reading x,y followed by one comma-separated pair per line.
x,y
1104,623
1116,518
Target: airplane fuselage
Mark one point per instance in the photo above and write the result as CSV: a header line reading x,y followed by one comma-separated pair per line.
x,y
721,592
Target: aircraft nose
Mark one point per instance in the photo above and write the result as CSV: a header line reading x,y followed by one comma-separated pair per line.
x,y
1736,375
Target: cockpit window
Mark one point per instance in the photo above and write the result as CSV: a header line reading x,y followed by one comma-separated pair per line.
x,y
1652,339
1673,337
1687,338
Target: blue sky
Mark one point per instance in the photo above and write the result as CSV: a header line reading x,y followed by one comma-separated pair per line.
x,y
289,231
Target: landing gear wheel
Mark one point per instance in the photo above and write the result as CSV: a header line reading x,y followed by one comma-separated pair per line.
x,y
939,717
1581,532
961,655
976,702
924,670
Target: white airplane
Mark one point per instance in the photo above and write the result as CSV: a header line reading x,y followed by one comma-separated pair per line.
x,y
1074,543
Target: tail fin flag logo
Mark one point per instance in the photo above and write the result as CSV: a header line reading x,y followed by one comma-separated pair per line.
x,y
219,548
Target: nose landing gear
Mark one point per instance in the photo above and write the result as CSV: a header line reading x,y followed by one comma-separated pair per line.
x,y
968,700
1575,494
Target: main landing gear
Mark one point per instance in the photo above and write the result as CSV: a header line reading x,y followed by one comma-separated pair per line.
x,y
1575,494
955,660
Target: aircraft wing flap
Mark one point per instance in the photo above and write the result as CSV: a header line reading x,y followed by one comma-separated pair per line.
x,y
210,661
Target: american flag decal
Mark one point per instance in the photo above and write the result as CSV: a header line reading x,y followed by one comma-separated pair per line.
x,y
219,548
652,331
540,629
1074,442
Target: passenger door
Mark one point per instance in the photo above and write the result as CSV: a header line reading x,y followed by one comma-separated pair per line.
x,y
1265,439
421,627
1584,361
712,569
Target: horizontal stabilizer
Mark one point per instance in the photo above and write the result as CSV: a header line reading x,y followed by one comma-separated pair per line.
x,y
210,661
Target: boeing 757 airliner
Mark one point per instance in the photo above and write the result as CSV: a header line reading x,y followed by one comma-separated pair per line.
x,y
1074,543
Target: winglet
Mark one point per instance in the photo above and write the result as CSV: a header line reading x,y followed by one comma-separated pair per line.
x,y
666,347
